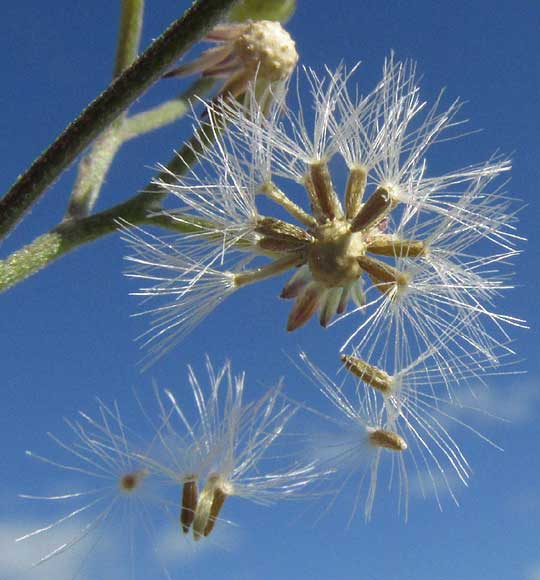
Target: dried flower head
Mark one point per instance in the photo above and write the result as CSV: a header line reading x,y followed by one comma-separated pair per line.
x,y
414,252
260,49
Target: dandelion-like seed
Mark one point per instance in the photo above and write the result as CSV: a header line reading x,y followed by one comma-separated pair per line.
x,y
413,252
183,473
224,449
114,490
365,436
411,411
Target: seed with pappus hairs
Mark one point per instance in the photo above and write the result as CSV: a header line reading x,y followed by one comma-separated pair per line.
x,y
415,253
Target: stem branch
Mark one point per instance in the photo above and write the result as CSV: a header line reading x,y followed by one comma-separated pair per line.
x,y
129,35
138,210
93,168
149,67
165,113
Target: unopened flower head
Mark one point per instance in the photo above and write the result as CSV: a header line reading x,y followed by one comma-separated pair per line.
x,y
422,250
221,453
245,51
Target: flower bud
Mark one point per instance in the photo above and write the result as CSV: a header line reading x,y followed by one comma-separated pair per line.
x,y
265,48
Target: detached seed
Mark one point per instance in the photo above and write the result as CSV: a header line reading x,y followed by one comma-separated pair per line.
x,y
371,375
388,440
190,494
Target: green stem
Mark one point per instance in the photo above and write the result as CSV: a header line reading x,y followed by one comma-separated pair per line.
x,y
130,85
92,171
93,168
29,260
129,35
73,233
166,113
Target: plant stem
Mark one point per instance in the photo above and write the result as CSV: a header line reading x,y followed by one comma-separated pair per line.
x,y
93,168
75,232
92,171
129,35
155,60
165,113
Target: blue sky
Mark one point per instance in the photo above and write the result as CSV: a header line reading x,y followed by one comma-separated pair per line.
x,y
67,335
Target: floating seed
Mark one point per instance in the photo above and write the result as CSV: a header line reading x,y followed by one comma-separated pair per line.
x,y
190,495
371,375
388,440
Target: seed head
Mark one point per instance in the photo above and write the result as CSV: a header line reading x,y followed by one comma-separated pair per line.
x,y
415,255
112,489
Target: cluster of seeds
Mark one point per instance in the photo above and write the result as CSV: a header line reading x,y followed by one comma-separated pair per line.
x,y
367,234
421,257
414,261
154,474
